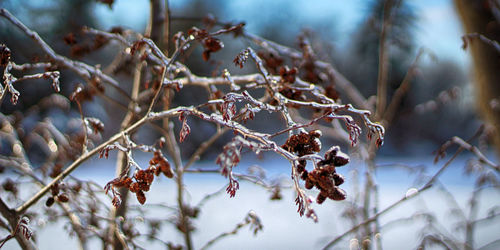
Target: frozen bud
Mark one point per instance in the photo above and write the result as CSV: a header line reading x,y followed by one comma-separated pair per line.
x,y
304,175
316,133
338,178
330,156
309,184
301,167
49,202
337,194
340,159
63,197
321,198
330,153
317,145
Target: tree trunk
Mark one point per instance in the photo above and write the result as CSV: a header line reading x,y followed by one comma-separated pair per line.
x,y
477,16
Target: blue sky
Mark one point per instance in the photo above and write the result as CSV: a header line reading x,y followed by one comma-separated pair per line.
x,y
437,29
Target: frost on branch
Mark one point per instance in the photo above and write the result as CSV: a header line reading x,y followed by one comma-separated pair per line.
x,y
94,125
303,143
230,157
228,108
141,180
9,80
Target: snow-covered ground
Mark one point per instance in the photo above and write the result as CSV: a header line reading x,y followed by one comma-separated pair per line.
x,y
283,227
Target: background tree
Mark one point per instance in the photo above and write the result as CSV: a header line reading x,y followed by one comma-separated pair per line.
x,y
481,18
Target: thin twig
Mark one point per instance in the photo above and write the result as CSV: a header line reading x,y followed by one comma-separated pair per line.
x,y
426,186
468,38
84,70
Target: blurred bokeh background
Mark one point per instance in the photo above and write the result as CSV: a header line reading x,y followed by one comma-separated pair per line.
x,y
344,33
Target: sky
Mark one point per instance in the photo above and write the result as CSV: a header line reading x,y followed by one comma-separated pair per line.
x,y
438,28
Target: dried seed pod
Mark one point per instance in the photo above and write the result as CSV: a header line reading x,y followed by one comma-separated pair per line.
x,y
301,166
150,176
321,198
77,187
141,197
134,187
335,156
337,194
50,201
328,170
338,178
302,144
143,186
124,182
54,189
167,170
340,159
330,154
304,175
309,184
316,133
63,197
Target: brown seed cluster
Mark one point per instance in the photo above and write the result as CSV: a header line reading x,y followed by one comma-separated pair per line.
x,y
143,179
82,45
331,92
272,61
324,177
56,195
210,43
291,94
303,143
287,74
161,165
